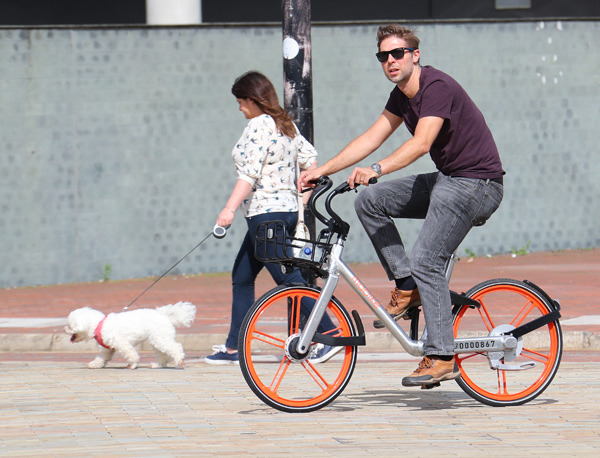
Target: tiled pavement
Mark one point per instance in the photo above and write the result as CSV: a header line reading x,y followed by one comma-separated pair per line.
x,y
64,409
52,405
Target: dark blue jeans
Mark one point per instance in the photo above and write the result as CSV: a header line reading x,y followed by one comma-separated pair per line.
x,y
246,268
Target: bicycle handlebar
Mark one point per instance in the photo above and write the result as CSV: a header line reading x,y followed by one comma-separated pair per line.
x,y
335,223
323,185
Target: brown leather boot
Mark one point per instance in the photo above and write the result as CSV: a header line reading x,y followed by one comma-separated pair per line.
x,y
400,303
432,370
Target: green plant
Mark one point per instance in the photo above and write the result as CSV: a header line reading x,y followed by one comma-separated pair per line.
x,y
469,253
521,251
106,273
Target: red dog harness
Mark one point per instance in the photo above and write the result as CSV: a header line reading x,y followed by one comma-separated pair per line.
x,y
98,334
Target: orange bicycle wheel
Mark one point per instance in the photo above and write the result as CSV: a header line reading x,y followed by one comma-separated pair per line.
x,y
281,380
525,374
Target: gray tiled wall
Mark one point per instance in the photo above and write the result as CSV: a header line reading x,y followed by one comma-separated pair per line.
x,y
115,143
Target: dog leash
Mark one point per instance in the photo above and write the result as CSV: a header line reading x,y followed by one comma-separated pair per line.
x,y
218,232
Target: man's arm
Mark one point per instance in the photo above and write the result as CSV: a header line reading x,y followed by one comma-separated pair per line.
x,y
357,149
426,132
306,195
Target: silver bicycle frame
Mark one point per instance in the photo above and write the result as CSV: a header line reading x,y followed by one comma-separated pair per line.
x,y
336,268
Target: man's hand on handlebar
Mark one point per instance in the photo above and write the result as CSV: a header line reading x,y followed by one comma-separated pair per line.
x,y
361,176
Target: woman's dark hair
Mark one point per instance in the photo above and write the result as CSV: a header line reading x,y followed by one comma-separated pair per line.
x,y
257,87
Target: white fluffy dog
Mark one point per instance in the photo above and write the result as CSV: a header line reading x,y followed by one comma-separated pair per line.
x,y
122,331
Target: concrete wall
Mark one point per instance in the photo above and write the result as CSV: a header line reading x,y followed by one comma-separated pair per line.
x,y
115,143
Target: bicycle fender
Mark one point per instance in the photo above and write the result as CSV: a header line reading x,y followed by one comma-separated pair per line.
x,y
359,326
554,303
461,299
355,341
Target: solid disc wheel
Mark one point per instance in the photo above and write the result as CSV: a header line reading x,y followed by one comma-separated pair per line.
x,y
507,304
285,382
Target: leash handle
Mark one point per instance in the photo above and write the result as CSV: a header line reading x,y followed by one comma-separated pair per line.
x,y
220,231
176,264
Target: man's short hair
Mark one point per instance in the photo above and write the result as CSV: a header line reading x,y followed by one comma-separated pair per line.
x,y
396,30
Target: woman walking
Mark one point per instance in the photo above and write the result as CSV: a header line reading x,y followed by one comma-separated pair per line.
x,y
265,159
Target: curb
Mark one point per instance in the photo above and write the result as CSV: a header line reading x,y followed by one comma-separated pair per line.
x,y
376,342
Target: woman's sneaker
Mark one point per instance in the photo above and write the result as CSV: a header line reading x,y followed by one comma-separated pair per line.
x,y
322,353
220,356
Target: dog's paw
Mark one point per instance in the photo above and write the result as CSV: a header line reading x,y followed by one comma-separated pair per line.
x,y
157,365
132,366
98,363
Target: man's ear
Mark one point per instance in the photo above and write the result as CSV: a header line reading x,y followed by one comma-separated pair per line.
x,y
416,55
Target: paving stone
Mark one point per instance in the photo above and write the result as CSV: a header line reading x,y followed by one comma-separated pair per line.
x,y
207,409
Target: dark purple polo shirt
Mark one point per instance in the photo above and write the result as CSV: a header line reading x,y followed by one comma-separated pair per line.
x,y
465,146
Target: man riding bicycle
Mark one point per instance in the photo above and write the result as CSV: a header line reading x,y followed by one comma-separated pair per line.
x,y
464,192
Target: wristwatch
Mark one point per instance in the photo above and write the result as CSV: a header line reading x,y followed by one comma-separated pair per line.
x,y
377,169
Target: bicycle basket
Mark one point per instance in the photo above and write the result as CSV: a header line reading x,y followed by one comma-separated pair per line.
x,y
273,244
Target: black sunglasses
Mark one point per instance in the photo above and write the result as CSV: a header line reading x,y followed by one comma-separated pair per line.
x,y
397,54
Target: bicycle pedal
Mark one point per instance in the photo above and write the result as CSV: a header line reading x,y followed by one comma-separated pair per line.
x,y
411,312
429,387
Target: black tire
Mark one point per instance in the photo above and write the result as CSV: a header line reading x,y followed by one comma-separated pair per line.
x,y
508,302
277,379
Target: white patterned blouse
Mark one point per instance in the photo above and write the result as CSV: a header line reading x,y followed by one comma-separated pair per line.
x,y
266,159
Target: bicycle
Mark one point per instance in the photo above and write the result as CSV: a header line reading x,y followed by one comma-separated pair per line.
x,y
503,360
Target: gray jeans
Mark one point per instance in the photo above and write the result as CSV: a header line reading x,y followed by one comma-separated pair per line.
x,y
450,208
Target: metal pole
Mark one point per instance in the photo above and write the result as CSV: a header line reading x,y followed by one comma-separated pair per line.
x,y
297,64
297,79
